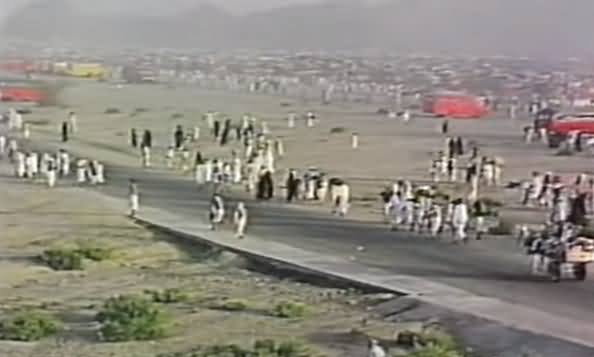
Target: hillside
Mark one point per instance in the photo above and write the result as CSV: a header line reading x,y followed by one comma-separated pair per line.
x,y
529,27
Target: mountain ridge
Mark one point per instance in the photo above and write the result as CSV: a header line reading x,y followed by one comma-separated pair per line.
x,y
526,28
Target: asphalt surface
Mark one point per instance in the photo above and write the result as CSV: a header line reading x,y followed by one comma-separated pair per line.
x,y
489,268
494,268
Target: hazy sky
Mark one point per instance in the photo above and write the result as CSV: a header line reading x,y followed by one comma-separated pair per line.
x,y
160,6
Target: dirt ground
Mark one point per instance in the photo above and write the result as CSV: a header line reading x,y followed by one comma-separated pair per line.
x,y
389,149
34,218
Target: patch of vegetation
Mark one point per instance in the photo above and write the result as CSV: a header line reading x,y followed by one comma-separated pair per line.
x,y
233,305
337,130
435,351
29,326
290,310
95,253
264,348
130,318
112,111
73,258
177,116
430,343
167,296
62,259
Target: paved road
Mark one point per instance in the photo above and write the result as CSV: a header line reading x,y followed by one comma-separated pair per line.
x,y
495,268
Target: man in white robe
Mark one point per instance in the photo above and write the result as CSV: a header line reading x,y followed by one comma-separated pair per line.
x,y
460,221
240,220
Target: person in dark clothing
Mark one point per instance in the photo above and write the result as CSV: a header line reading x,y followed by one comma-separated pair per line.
x,y
147,139
225,133
269,193
475,153
451,147
238,133
178,137
261,188
577,215
199,160
265,190
216,129
459,146
470,172
64,131
133,138
445,126
578,142
292,185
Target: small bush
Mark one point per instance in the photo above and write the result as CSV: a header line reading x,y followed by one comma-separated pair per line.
x,y
167,296
290,310
233,305
62,259
265,348
438,338
337,130
96,254
132,319
29,326
112,111
435,351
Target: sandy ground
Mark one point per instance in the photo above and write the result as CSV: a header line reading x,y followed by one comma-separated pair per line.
x,y
34,218
389,149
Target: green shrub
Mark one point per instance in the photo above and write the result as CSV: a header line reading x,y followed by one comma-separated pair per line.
x,y
290,310
438,338
233,305
129,318
435,351
29,326
167,296
62,259
96,254
265,348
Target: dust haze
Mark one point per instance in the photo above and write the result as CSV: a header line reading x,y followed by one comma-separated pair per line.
x,y
492,27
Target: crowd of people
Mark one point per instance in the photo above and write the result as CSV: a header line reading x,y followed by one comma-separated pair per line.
x,y
43,166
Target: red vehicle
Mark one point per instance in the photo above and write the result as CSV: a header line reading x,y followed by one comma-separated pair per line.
x,y
17,66
559,127
22,94
455,105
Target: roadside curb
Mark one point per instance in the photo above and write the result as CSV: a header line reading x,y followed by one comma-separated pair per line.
x,y
516,317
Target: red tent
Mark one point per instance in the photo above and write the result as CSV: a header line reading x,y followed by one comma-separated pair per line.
x,y
455,105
